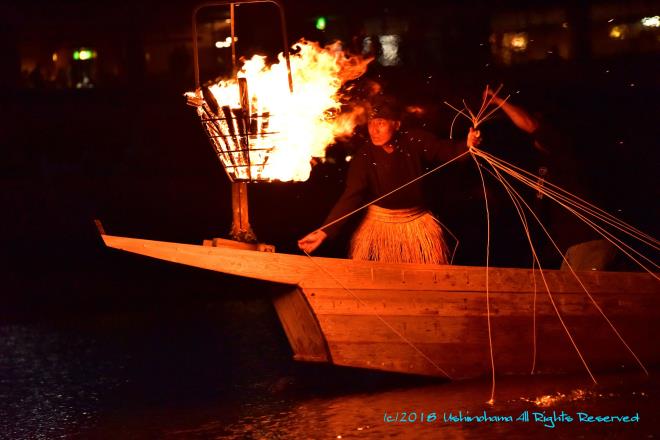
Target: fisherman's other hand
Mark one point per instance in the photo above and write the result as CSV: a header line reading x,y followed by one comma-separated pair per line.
x,y
311,241
473,138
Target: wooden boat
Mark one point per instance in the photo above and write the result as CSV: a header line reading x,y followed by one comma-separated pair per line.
x,y
432,320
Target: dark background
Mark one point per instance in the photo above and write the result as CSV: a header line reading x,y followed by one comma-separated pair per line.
x,y
96,343
112,138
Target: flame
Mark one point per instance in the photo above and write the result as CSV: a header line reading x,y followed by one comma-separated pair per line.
x,y
286,130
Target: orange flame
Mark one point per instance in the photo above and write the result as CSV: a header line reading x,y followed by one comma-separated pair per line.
x,y
286,130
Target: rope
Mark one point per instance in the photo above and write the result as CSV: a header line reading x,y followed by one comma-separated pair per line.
x,y
490,333
476,120
525,225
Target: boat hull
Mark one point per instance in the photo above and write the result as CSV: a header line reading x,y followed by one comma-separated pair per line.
x,y
433,320
438,333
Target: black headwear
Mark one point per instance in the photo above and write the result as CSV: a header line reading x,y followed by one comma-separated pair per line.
x,y
386,107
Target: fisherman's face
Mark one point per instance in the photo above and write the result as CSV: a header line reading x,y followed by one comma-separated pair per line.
x,y
381,130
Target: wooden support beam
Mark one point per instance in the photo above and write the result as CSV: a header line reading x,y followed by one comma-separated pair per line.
x,y
240,228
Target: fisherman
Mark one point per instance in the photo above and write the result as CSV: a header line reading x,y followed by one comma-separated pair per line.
x,y
397,228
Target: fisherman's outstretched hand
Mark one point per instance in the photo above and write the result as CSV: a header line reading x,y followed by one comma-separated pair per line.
x,y
311,241
473,138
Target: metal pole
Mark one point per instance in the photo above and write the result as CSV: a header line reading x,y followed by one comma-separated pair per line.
x,y
232,17
240,227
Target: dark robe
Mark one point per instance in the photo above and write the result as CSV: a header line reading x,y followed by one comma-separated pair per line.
x,y
373,172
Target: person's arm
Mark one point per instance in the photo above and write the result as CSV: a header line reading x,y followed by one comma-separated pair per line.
x,y
518,115
352,198
525,122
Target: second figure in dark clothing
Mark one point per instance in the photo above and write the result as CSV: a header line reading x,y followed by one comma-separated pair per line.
x,y
397,228
556,161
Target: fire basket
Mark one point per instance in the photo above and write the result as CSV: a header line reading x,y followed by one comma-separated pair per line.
x,y
239,135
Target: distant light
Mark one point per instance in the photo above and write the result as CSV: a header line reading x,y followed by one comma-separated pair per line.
x,y
348,158
225,43
618,32
84,54
564,25
367,45
610,20
651,21
321,23
519,41
55,57
390,46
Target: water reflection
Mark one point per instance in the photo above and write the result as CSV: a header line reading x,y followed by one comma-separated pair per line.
x,y
362,415
50,385
131,378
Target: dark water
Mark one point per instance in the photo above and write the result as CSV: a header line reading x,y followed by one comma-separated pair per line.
x,y
222,369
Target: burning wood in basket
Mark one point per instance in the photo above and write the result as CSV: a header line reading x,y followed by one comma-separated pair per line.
x,y
230,131
273,132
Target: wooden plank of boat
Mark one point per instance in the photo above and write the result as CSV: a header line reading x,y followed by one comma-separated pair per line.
x,y
431,319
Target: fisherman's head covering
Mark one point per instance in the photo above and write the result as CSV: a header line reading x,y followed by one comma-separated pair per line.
x,y
384,106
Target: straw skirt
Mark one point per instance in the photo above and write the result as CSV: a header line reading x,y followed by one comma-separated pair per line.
x,y
399,236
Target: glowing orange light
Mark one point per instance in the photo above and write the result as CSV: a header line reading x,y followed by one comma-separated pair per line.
x,y
519,42
618,32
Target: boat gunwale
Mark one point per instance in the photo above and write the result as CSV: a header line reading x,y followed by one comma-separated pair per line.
x,y
306,271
